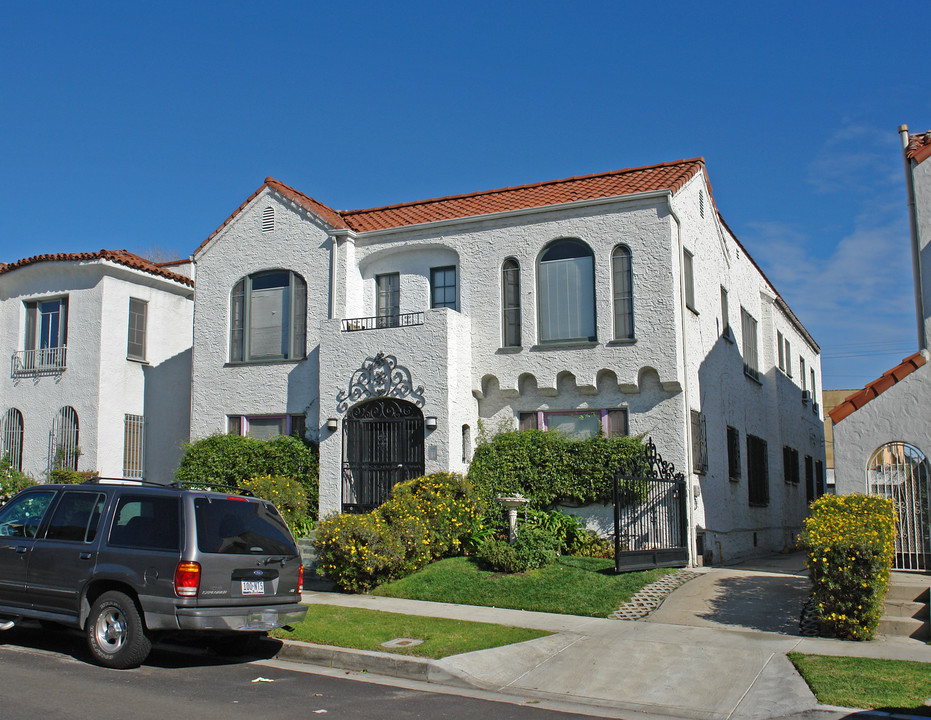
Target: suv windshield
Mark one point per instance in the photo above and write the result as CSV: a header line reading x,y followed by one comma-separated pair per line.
x,y
235,526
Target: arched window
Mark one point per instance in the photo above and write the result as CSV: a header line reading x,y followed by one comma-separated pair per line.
x,y
900,472
12,451
510,303
566,275
623,293
64,449
268,317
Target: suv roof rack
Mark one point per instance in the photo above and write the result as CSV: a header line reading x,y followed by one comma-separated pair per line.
x,y
209,486
97,480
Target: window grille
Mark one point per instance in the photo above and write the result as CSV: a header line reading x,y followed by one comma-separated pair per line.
x,y
757,471
751,358
268,219
12,450
135,346
510,306
699,443
733,453
623,293
133,446
63,450
790,464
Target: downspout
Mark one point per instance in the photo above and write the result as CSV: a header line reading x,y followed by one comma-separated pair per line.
x,y
687,420
916,251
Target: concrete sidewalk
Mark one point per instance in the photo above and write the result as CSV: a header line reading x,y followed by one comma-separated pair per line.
x,y
720,664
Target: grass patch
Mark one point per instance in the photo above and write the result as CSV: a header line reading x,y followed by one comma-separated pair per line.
x,y
890,685
368,629
572,585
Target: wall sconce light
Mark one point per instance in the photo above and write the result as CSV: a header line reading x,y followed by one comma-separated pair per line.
x,y
332,424
430,422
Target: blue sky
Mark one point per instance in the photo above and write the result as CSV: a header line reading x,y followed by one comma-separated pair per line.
x,y
143,126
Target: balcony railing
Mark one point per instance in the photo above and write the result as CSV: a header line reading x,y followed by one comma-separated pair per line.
x,y
383,321
46,361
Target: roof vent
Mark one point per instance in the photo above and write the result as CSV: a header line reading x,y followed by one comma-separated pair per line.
x,y
701,203
268,219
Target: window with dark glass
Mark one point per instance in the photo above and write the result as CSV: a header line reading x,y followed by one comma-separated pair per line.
x,y
268,317
566,274
790,464
443,287
757,471
388,299
76,517
733,453
266,427
810,489
750,347
135,344
146,521
699,443
510,305
623,293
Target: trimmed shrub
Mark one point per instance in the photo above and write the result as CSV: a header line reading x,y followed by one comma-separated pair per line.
x,y
425,518
533,548
288,496
12,481
231,459
851,548
547,467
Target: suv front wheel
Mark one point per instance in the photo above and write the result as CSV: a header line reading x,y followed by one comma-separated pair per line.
x,y
115,633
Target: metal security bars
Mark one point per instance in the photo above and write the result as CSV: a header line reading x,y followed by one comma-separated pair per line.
x,y
382,321
63,449
133,446
46,361
12,449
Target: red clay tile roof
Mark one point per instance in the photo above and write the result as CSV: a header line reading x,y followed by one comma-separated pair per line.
x,y
666,176
122,257
877,387
919,147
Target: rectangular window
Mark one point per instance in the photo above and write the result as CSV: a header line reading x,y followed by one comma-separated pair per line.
x,y
780,351
528,421
443,287
511,301
133,446
46,334
733,453
751,358
268,315
790,464
266,427
819,478
567,291
76,517
801,373
699,443
809,479
725,316
687,268
578,424
150,522
788,359
388,300
135,344
757,471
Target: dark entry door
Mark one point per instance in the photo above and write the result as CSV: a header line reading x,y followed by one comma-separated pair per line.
x,y
383,444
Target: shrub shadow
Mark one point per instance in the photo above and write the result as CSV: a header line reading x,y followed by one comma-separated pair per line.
x,y
769,604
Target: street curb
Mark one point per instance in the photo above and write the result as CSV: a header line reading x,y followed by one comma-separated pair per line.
x,y
379,663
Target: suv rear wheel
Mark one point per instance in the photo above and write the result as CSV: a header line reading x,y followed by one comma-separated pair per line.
x,y
115,633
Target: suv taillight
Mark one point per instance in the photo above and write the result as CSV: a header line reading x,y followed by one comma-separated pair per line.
x,y
300,579
187,579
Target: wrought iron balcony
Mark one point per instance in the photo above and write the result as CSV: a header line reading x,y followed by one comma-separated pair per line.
x,y
382,321
45,361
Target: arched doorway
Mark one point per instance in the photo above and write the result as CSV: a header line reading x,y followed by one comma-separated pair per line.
x,y
383,444
900,472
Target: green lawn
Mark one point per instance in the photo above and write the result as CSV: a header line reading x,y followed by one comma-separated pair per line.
x,y
891,685
572,585
368,629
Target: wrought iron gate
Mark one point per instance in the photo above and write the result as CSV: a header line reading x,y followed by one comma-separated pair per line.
x,y
383,444
650,525
899,471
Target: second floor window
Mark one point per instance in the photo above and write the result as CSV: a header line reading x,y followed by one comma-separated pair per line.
x,y
268,317
135,344
443,287
566,273
46,324
623,293
388,298
751,357
510,301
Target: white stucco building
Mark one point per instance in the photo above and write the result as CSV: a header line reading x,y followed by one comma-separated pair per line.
x,y
619,301
882,433
99,346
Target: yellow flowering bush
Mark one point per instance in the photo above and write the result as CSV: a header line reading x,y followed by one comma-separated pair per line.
x,y
287,494
424,519
851,548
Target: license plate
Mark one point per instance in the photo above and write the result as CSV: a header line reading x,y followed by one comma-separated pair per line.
x,y
253,587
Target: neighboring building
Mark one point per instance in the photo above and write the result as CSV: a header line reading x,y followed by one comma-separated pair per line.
x,y
100,364
618,302
830,399
882,433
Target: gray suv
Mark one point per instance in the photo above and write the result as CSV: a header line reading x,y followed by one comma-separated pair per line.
x,y
127,562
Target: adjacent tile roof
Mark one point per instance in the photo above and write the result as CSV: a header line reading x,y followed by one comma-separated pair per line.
x,y
665,176
919,147
877,387
122,257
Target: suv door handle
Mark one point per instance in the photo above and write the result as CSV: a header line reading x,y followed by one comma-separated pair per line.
x,y
22,549
86,555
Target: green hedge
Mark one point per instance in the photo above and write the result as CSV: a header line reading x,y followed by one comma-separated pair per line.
x,y
12,481
232,459
547,467
424,519
851,548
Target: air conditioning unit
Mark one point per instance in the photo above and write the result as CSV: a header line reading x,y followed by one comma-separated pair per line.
x,y
806,396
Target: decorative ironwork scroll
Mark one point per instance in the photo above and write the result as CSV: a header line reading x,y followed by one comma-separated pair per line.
x,y
379,377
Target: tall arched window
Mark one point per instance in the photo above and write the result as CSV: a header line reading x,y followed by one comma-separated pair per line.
x,y
623,293
64,449
510,303
12,450
268,317
566,274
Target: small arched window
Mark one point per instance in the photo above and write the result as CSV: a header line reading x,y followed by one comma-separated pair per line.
x,y
268,317
510,303
11,452
622,273
566,276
